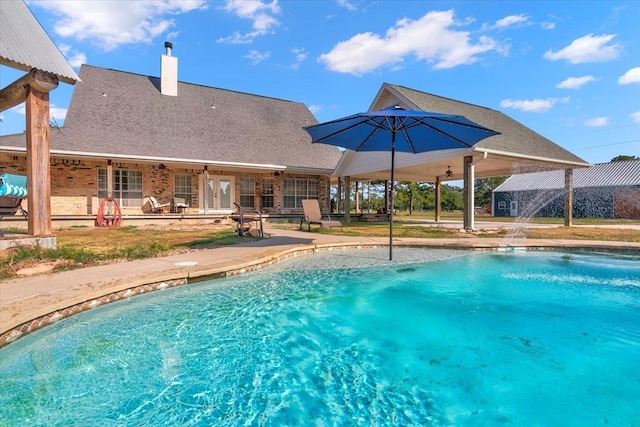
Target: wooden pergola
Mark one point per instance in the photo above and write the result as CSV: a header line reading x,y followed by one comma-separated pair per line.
x,y
24,45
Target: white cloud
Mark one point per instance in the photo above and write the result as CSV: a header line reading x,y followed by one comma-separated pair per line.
x,y
508,21
54,112
430,38
548,25
597,122
534,105
74,57
110,25
262,15
575,82
631,76
257,57
636,116
301,56
315,108
589,48
350,5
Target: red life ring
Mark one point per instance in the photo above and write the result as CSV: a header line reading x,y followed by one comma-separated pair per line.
x,y
112,218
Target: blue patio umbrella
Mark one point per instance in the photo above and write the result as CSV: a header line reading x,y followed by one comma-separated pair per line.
x,y
396,129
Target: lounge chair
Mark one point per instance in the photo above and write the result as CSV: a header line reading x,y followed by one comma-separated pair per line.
x,y
312,215
180,205
11,206
157,207
245,219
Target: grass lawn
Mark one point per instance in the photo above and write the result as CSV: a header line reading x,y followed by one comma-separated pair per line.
x,y
85,246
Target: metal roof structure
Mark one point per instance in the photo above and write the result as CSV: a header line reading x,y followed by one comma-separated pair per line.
x,y
613,174
517,148
25,45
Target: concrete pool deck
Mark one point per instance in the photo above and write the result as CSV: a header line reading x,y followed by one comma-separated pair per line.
x,y
29,303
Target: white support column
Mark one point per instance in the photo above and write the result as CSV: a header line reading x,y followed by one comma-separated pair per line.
x,y
438,201
468,197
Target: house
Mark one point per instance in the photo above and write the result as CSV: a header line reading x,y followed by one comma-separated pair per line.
x,y
605,190
133,136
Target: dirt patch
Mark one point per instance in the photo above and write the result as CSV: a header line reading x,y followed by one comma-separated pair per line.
x,y
39,268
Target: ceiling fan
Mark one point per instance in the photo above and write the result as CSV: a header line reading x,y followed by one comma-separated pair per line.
x,y
449,172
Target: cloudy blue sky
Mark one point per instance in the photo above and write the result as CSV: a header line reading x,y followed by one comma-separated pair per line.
x,y
568,70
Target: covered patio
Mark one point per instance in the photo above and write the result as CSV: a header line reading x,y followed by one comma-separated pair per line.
x,y
517,149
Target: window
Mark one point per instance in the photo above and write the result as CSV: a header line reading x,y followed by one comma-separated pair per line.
x,y
502,205
127,186
267,193
247,192
297,189
183,187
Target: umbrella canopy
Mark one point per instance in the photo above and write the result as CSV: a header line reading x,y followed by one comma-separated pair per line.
x,y
395,128
14,186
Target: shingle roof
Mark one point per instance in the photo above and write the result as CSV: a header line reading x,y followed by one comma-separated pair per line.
x,y
124,114
25,45
515,138
614,174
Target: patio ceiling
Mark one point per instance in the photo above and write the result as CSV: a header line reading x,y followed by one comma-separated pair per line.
x,y
428,167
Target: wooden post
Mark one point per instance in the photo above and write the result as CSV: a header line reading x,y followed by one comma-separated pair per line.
x,y
347,199
33,89
568,197
339,196
39,177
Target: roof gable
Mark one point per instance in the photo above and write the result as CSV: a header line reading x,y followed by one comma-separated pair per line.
x,y
514,137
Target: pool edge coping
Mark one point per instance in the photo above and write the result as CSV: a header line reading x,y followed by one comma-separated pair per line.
x,y
198,274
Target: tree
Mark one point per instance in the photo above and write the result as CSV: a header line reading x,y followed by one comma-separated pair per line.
x,y
624,157
451,197
484,187
408,195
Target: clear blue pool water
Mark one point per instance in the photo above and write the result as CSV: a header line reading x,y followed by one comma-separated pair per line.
x,y
346,338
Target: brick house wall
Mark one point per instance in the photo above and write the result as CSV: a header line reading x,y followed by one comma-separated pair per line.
x,y
74,184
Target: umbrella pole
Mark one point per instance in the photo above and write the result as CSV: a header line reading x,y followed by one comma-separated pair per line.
x,y
393,156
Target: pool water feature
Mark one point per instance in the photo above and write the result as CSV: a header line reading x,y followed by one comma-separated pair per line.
x,y
346,338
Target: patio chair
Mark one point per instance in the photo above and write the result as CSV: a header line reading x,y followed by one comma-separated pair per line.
x,y
312,215
157,207
180,205
246,219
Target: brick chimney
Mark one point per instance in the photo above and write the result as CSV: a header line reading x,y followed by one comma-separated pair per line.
x,y
169,72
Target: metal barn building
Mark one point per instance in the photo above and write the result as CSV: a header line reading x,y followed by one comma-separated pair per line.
x,y
605,190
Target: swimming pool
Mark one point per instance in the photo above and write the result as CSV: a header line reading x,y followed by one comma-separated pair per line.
x,y
435,338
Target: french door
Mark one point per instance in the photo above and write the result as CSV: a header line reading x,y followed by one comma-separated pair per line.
x,y
218,197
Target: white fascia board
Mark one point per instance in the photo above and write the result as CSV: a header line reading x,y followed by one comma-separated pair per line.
x,y
308,171
150,159
533,158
